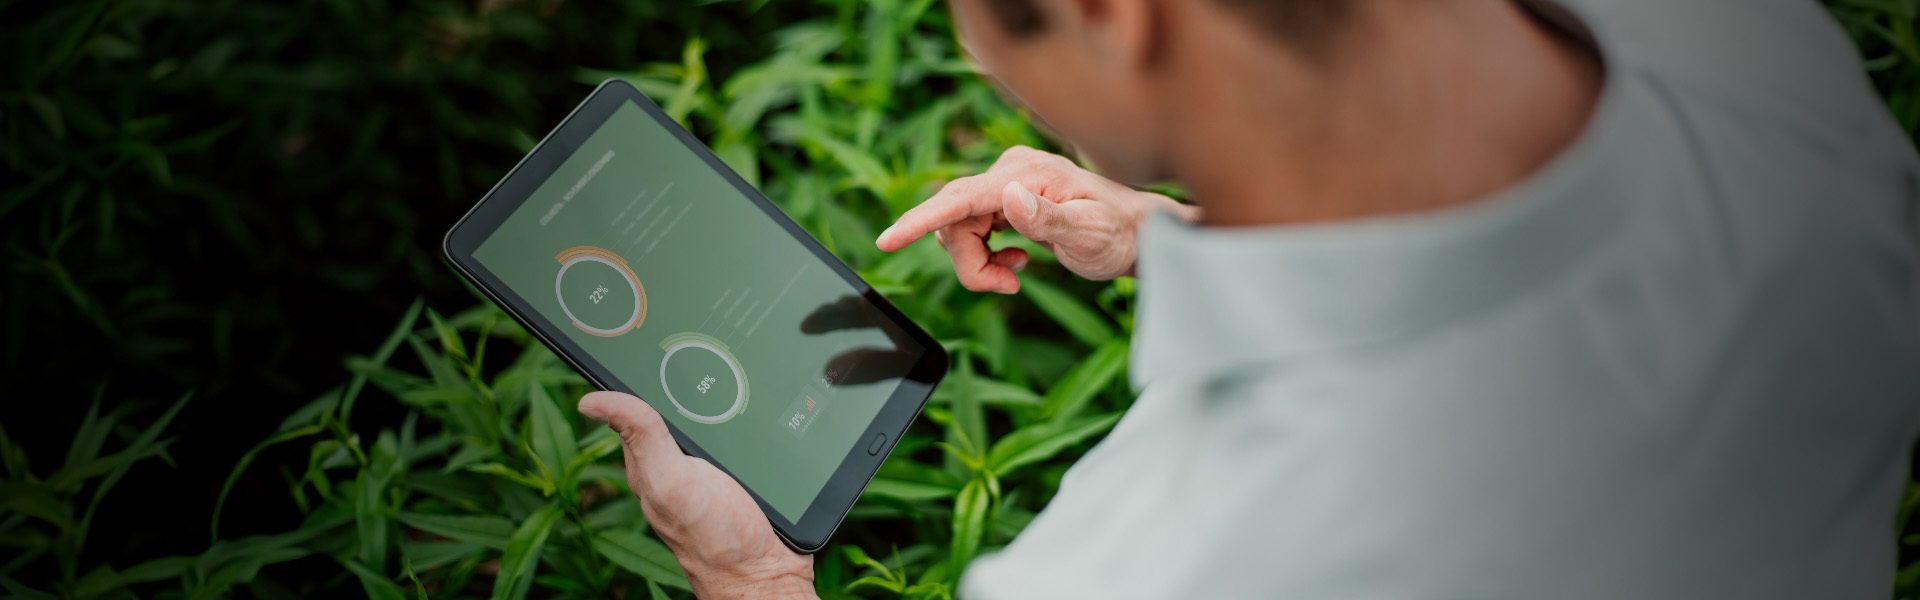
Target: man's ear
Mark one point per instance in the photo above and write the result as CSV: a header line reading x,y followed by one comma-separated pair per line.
x,y
1129,31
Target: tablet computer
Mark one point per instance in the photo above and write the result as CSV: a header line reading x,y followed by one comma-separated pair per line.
x,y
630,250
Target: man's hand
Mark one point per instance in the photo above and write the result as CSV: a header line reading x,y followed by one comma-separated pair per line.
x,y
720,536
1088,221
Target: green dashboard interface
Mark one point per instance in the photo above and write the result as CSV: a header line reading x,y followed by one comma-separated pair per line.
x,y
702,304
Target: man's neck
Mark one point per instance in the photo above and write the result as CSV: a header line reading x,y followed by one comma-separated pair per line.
x,y
1432,105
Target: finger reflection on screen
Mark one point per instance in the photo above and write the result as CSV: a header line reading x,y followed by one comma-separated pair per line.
x,y
865,364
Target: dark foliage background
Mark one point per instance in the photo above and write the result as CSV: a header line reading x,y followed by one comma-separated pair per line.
x,y
229,196
225,198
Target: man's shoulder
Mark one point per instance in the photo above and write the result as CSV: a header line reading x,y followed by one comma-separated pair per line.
x,y
1791,54
1774,120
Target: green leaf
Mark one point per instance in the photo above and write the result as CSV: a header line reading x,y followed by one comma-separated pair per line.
x,y
969,430
49,113
233,477
969,523
448,337
1039,442
600,443
35,500
866,171
876,581
144,445
157,569
489,531
687,97
911,491
883,52
991,392
991,336
377,586
1070,396
380,357
312,412
642,556
967,452
553,439
92,433
1079,319
99,581
430,555
859,556
70,478
14,457
523,554
228,563
15,589
754,90
742,159
885,577
370,512
545,486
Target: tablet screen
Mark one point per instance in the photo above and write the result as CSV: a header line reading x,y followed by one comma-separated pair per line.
x,y
701,303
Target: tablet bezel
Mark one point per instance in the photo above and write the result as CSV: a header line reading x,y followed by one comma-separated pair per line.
x,y
843,488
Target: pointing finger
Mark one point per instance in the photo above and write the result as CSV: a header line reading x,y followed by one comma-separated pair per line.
x,y
960,199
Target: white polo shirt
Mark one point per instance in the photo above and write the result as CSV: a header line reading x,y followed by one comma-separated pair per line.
x,y
1683,361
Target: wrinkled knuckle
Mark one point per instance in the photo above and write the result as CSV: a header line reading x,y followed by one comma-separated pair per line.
x,y
1039,160
630,434
634,430
1023,157
1051,220
959,183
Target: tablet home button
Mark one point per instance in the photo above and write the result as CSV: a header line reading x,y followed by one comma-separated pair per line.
x,y
879,439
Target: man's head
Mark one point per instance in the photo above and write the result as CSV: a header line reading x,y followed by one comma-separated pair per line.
x,y
1108,75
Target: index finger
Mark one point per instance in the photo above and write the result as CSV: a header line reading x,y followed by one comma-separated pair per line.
x,y
960,199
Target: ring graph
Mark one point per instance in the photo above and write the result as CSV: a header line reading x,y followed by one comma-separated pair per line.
x,y
592,317
702,343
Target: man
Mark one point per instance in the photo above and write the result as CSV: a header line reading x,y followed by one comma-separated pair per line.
x,y
1480,299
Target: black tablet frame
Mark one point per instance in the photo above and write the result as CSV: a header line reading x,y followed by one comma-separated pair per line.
x,y
843,488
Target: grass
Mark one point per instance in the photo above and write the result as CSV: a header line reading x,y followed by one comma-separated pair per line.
x,y
448,461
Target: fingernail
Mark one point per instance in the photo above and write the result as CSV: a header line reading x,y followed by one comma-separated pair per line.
x,y
1020,264
1032,202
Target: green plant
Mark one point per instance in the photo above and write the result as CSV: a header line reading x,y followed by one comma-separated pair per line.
x,y
1885,32
474,476
48,518
500,492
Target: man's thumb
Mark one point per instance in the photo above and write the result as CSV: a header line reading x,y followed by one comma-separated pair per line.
x,y
641,429
1035,217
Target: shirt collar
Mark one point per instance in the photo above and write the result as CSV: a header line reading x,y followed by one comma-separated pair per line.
x,y
1214,299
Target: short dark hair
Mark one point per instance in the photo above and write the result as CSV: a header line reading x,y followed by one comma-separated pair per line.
x,y
1299,22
